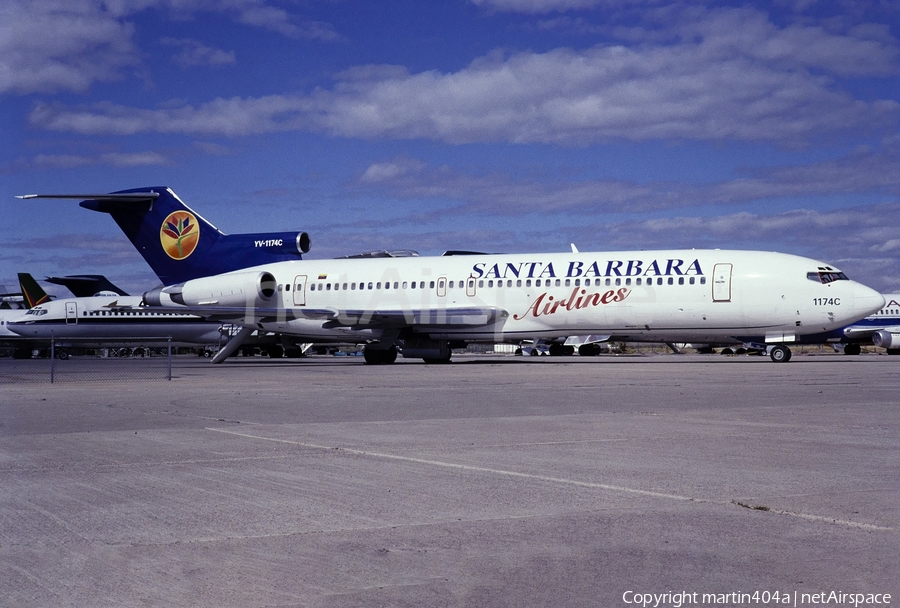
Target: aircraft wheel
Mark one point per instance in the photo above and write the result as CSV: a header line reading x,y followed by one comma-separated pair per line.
x,y
63,355
780,354
852,349
589,350
381,356
438,360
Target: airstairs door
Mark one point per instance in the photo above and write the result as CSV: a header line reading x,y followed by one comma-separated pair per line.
x,y
722,283
300,290
71,313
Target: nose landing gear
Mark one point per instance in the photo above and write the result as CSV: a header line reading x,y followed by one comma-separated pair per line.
x,y
780,354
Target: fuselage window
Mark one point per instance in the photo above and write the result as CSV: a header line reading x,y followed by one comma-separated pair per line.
x,y
369,286
703,280
671,281
287,287
431,285
481,283
637,281
558,282
692,280
490,283
328,287
608,282
618,281
568,282
681,280
405,285
628,281
518,282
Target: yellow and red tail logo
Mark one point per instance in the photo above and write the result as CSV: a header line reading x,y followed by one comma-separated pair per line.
x,y
179,235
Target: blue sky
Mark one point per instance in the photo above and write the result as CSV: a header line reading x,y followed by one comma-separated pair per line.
x,y
494,125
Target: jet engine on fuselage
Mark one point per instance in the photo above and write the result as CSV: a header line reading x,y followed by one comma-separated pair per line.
x,y
254,288
887,338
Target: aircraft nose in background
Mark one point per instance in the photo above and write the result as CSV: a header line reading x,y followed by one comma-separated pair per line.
x,y
866,301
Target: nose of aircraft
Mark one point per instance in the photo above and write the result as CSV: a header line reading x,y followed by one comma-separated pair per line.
x,y
866,301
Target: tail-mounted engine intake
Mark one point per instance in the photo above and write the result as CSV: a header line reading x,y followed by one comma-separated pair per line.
x,y
246,288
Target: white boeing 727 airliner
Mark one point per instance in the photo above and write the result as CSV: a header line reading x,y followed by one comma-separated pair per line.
x,y
427,305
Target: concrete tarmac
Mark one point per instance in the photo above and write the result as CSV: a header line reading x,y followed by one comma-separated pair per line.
x,y
492,481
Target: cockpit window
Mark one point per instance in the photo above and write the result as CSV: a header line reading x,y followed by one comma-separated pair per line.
x,y
826,277
36,312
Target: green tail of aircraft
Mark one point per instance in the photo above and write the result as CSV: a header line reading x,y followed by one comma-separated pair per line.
x,y
33,293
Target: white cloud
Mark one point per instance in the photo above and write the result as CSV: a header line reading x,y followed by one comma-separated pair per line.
x,y
764,84
68,45
864,172
49,46
195,53
116,159
545,6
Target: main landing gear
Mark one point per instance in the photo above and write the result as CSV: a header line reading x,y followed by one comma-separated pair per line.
x,y
381,356
780,354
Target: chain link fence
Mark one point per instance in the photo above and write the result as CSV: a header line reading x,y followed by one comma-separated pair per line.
x,y
86,360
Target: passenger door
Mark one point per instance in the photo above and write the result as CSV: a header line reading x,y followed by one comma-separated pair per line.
x,y
299,290
71,313
722,283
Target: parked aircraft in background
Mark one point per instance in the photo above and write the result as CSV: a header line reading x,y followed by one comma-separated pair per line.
x,y
85,285
32,293
424,306
112,317
12,306
109,316
881,329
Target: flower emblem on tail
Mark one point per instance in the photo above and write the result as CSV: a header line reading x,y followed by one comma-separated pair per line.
x,y
179,235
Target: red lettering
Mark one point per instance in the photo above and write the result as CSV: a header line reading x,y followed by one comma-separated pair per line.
x,y
544,304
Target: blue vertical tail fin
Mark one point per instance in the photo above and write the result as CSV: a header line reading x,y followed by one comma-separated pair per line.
x,y
177,243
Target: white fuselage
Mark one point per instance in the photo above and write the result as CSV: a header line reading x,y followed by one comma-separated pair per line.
x,y
108,317
683,296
